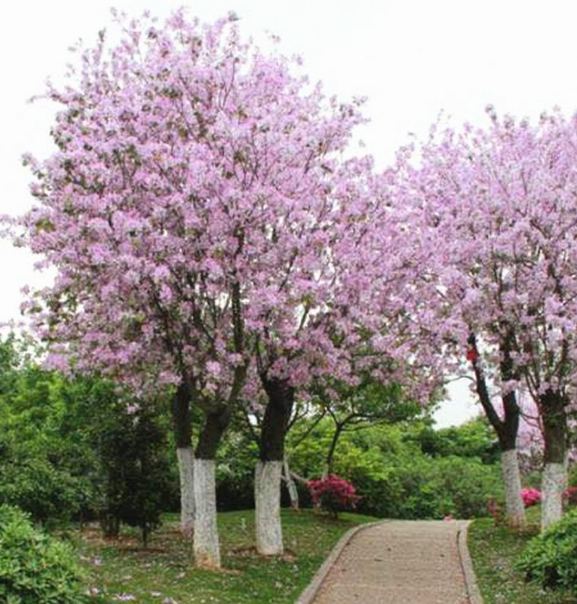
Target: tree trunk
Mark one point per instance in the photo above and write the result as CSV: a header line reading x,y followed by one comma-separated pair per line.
x,y
269,541
554,479
110,525
182,425
507,434
206,543
514,506
291,486
268,473
506,429
187,506
333,446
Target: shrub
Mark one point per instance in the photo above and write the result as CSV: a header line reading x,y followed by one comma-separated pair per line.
x,y
42,490
34,567
422,487
135,468
395,478
549,558
570,496
530,497
333,494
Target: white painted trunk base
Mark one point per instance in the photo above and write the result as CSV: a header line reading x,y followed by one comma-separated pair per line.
x,y
267,499
514,507
186,473
206,544
553,485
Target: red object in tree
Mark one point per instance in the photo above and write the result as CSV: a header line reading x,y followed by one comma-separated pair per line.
x,y
472,354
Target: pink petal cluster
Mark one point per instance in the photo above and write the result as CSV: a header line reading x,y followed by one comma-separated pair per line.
x,y
204,225
530,496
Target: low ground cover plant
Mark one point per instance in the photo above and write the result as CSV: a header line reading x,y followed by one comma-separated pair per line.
x,y
549,558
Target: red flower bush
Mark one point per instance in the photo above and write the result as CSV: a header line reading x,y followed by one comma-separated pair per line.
x,y
530,497
570,496
333,493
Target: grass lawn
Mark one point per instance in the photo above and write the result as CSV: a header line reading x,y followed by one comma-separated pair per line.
x,y
494,550
163,574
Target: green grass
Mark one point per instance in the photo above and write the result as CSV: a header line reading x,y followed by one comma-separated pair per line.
x,y
494,550
164,572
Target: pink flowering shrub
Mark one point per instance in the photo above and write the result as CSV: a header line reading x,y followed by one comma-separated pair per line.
x,y
570,496
333,494
530,497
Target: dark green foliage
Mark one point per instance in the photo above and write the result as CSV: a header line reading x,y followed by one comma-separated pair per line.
x,y
69,449
396,479
46,465
495,550
132,450
475,438
40,488
550,558
386,464
236,458
35,568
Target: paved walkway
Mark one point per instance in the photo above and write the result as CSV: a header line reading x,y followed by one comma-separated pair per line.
x,y
399,562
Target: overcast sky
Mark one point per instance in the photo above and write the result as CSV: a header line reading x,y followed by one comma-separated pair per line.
x,y
411,58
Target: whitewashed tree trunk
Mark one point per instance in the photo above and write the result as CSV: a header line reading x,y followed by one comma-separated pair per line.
x,y
553,484
267,499
514,507
186,473
206,543
291,486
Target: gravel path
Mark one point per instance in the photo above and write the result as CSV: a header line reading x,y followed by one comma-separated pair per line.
x,y
400,562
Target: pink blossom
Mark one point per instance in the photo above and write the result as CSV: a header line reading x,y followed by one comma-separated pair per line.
x,y
530,496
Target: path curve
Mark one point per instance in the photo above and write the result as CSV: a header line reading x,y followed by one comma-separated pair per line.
x,y
398,562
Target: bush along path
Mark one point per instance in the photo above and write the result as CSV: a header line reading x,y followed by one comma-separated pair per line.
x,y
398,562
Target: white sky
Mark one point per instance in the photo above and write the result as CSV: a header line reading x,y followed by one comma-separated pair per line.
x,y
411,58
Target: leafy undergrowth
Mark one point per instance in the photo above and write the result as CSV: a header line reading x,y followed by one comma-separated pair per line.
x,y
494,550
122,571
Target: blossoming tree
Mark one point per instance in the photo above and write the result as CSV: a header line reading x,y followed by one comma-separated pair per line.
x,y
494,213
190,212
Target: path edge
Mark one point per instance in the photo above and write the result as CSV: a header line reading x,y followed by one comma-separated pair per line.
x,y
310,592
471,584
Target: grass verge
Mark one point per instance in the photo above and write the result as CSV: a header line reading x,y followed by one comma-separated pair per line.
x,y
494,550
122,571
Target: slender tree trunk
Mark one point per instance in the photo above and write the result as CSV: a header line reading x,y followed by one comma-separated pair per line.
x,y
182,424
333,446
269,541
507,432
110,525
506,429
514,506
291,486
554,479
206,543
